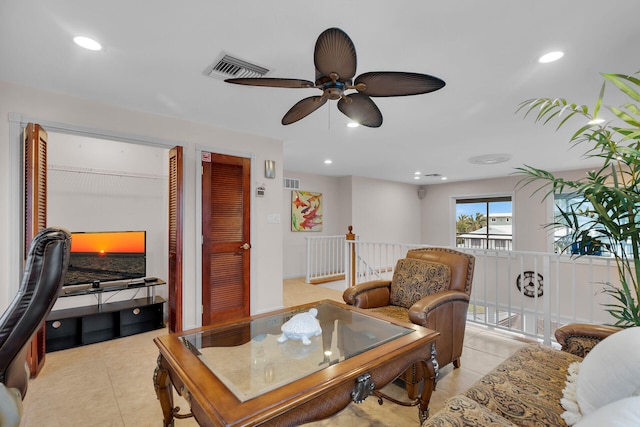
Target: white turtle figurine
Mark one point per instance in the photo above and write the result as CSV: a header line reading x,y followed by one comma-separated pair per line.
x,y
302,326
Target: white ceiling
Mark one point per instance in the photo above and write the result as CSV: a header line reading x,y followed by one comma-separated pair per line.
x,y
157,50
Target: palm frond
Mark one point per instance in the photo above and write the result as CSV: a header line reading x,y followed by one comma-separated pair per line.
x,y
608,214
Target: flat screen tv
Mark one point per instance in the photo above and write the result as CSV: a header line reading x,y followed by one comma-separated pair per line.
x,y
106,256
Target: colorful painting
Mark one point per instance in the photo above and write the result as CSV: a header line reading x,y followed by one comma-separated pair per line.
x,y
306,211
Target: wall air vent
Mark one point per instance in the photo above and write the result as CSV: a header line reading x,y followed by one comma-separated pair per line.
x,y
229,67
291,183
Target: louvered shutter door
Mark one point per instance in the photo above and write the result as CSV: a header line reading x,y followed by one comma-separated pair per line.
x,y
225,273
35,149
174,284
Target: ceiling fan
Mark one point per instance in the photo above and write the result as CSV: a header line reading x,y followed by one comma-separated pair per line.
x,y
335,61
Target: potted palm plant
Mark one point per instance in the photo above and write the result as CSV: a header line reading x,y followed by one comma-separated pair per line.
x,y
604,214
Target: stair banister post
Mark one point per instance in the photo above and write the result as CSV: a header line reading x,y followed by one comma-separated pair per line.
x,y
352,254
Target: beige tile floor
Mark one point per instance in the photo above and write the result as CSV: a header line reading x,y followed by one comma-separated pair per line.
x,y
110,383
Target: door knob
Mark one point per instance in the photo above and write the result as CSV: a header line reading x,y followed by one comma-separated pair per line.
x,y
245,246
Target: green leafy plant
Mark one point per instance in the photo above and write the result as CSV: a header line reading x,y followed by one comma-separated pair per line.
x,y
606,215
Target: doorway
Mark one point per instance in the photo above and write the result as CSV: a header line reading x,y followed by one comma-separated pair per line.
x,y
101,185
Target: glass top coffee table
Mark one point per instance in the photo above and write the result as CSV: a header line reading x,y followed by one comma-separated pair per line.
x,y
244,373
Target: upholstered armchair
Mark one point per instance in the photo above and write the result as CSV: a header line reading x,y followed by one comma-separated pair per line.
x,y
44,272
431,288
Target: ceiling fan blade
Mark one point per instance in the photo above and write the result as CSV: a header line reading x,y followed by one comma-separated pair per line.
x,y
272,82
395,83
361,109
303,108
335,53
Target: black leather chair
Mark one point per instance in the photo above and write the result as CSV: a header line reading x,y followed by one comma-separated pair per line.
x,y
45,268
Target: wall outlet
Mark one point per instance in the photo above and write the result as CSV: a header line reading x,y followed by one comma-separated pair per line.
x,y
273,219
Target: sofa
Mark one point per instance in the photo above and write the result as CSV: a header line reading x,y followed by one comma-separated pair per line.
x,y
594,380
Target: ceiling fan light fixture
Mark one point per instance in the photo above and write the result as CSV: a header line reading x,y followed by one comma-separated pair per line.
x,y
550,57
87,43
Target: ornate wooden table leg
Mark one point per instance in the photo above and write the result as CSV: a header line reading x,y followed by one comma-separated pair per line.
x,y
164,392
430,379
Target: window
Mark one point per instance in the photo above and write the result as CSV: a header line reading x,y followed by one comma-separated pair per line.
x,y
484,223
562,238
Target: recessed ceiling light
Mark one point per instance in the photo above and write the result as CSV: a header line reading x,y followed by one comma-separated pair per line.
x,y
490,159
550,57
416,177
353,124
328,162
417,173
444,178
87,43
595,121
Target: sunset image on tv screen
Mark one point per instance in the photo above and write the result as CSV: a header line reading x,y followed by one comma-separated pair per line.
x,y
105,243
106,257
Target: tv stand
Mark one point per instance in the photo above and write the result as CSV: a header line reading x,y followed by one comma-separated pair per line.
x,y
73,327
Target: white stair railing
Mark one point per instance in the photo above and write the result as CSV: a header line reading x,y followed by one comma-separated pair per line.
x,y
554,289
325,258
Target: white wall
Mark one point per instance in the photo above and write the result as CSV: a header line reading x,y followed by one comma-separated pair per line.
x,y
380,211
100,185
345,210
384,211
530,212
335,221
40,106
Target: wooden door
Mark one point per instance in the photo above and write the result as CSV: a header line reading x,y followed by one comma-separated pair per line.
x,y
174,282
35,215
226,188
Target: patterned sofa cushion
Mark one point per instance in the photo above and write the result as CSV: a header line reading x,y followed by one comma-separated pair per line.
x,y
527,387
524,390
460,411
414,279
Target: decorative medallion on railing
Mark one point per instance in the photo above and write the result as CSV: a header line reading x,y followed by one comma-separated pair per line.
x,y
529,284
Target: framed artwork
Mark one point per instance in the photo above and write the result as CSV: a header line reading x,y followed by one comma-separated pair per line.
x,y
306,211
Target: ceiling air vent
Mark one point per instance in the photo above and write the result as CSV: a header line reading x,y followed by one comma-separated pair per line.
x,y
229,67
